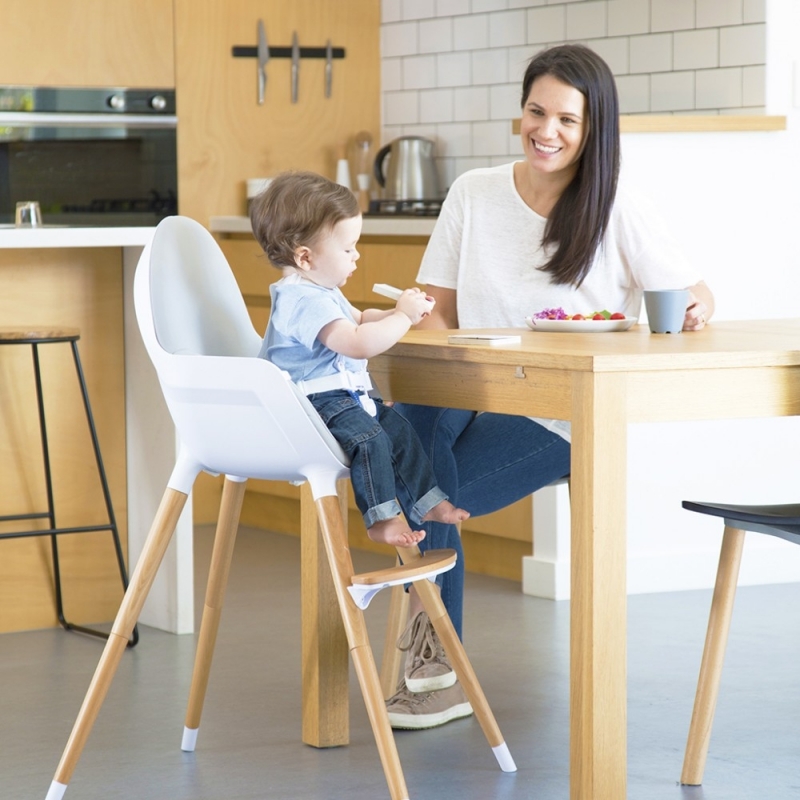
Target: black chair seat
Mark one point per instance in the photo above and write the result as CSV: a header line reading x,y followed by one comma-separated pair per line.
x,y
783,518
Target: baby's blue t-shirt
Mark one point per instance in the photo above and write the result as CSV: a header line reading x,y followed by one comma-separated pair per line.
x,y
300,310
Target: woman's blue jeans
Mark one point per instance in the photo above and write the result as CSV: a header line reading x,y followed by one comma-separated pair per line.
x,y
483,462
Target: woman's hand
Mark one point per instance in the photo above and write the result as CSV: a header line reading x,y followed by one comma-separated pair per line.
x,y
445,313
700,308
695,318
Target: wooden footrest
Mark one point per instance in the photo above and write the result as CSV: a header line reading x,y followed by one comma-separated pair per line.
x,y
368,584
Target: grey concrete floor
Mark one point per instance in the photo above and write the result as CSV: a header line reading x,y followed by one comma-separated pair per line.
x,y
249,743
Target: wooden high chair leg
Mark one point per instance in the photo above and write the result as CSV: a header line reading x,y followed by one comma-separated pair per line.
x,y
432,602
338,552
719,622
221,557
141,581
392,657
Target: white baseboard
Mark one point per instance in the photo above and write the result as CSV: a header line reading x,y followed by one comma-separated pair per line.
x,y
765,561
548,579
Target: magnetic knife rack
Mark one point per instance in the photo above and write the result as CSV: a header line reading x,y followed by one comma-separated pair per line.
x,y
246,51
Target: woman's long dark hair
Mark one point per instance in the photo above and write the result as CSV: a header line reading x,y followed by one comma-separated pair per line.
x,y
579,219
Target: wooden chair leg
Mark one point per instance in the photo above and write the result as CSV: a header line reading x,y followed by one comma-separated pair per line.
x,y
434,607
221,557
141,581
395,624
336,547
719,622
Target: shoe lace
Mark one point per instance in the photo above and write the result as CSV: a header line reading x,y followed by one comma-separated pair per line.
x,y
420,638
403,699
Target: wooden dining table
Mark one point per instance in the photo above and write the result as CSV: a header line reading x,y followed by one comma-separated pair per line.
x,y
601,382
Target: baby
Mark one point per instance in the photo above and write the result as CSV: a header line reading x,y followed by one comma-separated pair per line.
x,y
311,225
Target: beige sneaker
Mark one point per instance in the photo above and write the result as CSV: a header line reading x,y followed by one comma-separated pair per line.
x,y
415,711
427,668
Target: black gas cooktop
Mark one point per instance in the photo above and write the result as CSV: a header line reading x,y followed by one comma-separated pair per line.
x,y
404,208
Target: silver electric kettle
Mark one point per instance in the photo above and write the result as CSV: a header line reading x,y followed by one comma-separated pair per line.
x,y
411,173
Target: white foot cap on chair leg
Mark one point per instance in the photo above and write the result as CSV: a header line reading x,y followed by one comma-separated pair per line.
x,y
56,791
189,739
503,756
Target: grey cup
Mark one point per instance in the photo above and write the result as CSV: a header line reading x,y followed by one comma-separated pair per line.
x,y
666,309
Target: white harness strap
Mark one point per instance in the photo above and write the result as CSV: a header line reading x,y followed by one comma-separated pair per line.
x,y
356,382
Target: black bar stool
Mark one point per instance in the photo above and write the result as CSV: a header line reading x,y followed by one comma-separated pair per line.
x,y
34,337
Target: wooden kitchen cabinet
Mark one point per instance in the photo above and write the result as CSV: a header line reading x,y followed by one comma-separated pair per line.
x,y
92,43
226,137
494,544
72,287
384,259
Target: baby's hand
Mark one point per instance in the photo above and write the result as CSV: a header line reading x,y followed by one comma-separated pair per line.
x,y
415,305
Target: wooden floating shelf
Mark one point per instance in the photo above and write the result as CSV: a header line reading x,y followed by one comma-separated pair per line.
x,y
676,123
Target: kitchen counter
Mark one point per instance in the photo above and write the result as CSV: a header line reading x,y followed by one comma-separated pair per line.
x,y
62,275
12,237
373,226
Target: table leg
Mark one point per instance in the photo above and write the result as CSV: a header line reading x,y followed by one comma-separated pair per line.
x,y
324,651
598,698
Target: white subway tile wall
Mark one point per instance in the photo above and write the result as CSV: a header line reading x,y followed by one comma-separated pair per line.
x,y
628,16
586,20
436,35
672,15
451,69
652,53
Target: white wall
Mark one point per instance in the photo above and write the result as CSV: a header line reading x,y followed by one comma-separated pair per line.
x,y
733,200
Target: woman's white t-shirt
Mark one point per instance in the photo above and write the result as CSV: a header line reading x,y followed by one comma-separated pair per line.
x,y
487,246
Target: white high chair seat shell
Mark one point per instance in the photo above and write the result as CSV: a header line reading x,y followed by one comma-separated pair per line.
x,y
189,304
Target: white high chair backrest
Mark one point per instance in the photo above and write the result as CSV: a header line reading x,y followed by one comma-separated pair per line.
x,y
198,308
235,413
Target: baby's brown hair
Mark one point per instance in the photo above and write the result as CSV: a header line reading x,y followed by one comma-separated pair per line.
x,y
294,210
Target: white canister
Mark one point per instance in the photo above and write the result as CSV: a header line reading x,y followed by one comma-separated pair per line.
x,y
343,173
255,186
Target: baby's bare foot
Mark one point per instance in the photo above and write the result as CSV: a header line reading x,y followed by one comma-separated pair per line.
x,y
446,512
394,532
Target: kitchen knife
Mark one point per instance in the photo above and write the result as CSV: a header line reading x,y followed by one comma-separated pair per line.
x,y
263,58
295,65
328,67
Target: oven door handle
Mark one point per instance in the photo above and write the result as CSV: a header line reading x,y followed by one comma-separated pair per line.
x,y
42,119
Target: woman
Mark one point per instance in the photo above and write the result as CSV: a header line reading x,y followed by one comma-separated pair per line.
x,y
550,231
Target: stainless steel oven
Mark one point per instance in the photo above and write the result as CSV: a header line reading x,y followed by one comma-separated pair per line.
x,y
89,156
